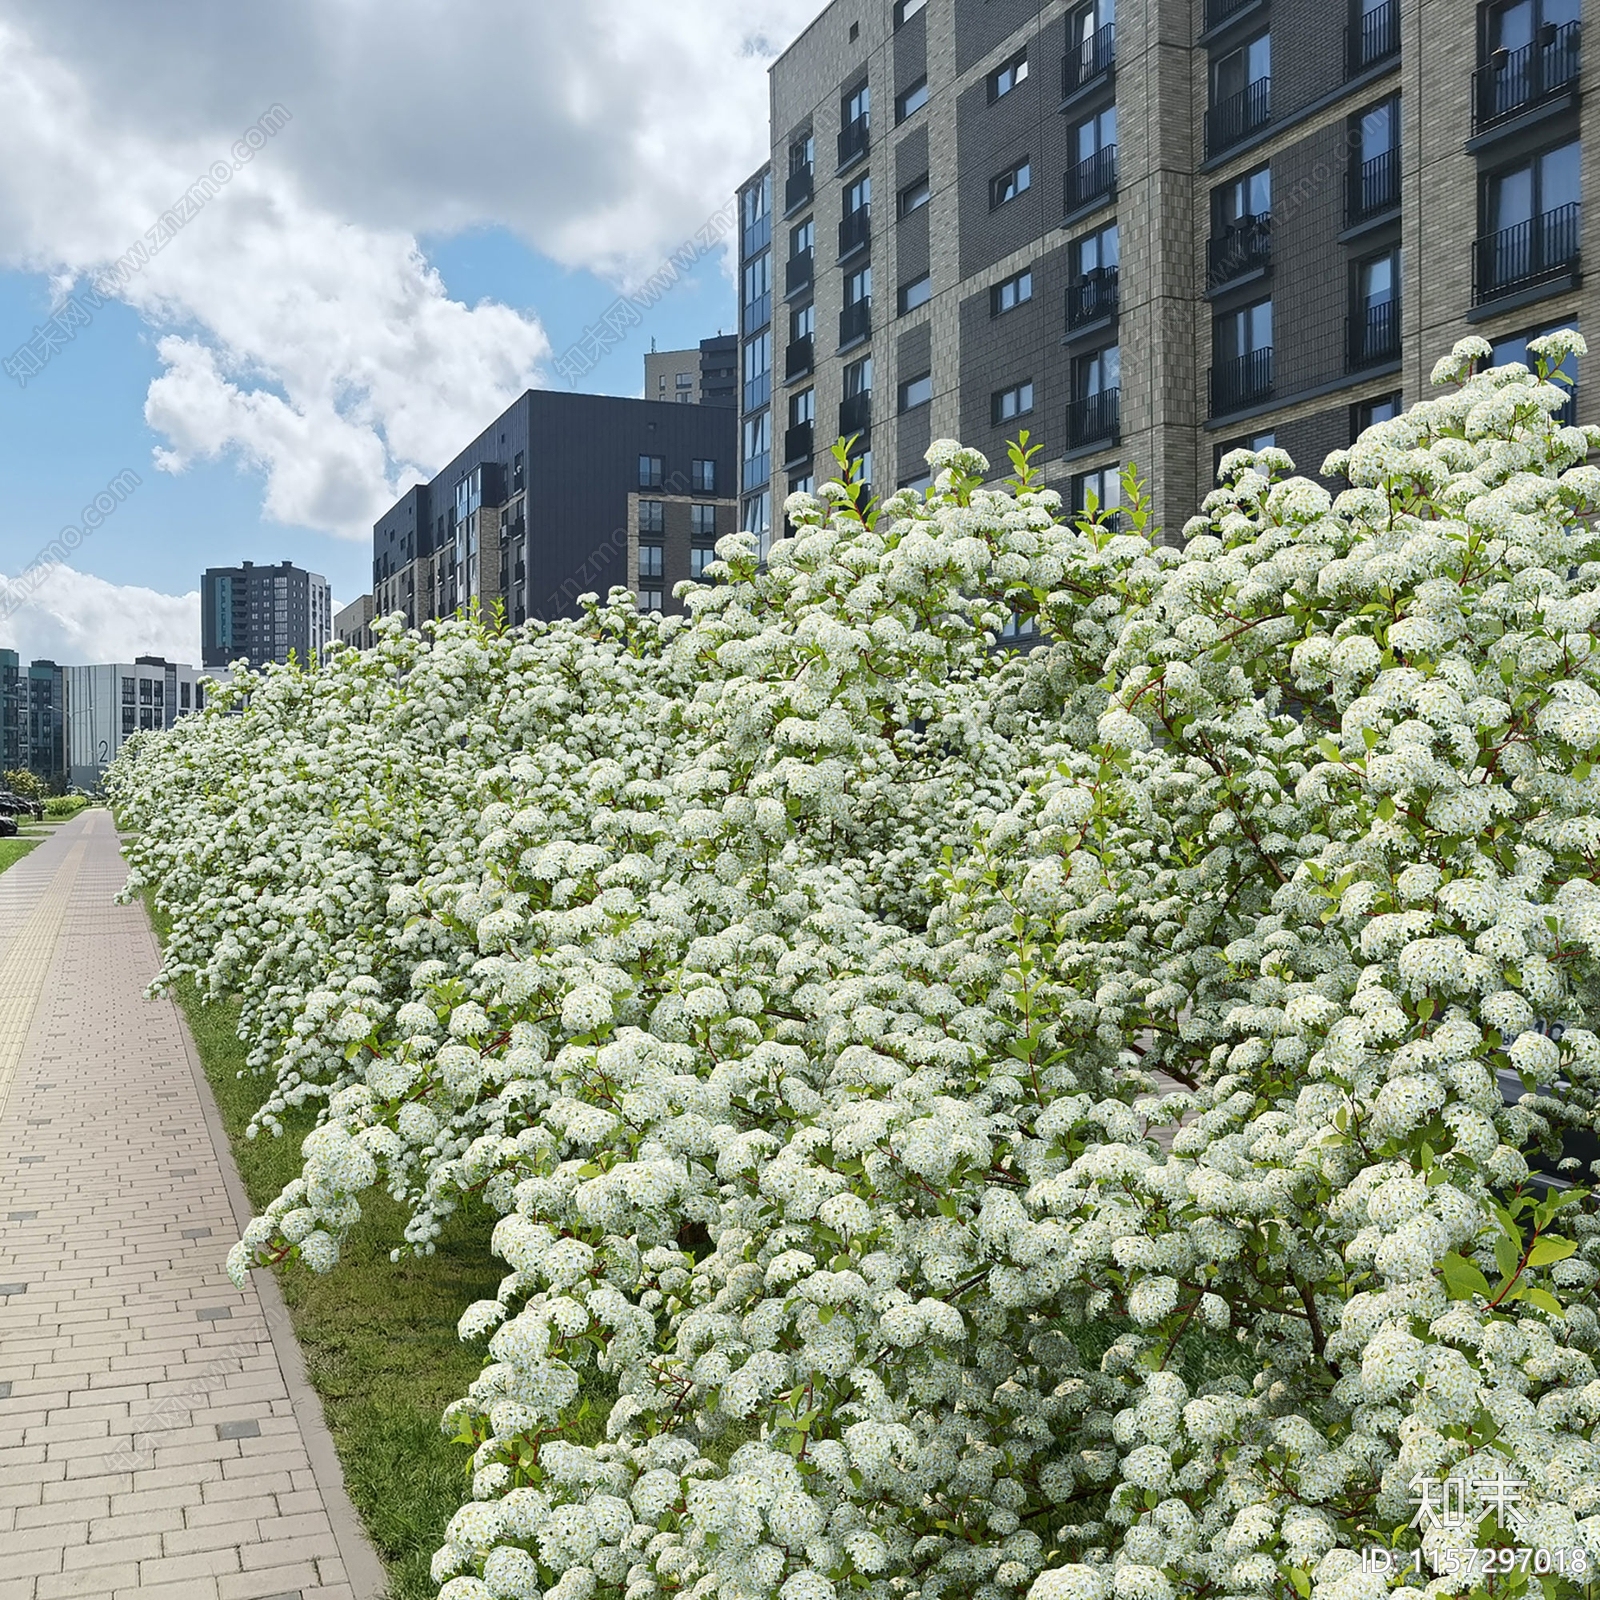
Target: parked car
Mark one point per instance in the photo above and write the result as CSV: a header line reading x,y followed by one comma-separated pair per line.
x,y
16,805
8,827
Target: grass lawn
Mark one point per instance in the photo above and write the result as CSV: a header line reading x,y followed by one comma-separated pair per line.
x,y
13,850
379,1338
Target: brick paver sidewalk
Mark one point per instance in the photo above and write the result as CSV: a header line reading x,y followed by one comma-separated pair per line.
x,y
157,1437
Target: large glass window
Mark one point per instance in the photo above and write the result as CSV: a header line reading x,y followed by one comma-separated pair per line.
x,y
1239,70
652,469
1095,134
1243,332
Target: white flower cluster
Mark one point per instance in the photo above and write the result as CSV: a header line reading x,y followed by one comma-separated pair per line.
x,y
792,982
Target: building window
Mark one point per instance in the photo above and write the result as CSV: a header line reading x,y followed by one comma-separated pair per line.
x,y
652,469
1529,51
1092,293
1008,404
915,196
1241,93
1366,412
757,231
700,557
856,106
128,723
904,10
1091,35
858,377
183,696
916,293
1093,174
1241,357
858,195
757,519
803,322
1011,293
912,99
803,239
127,691
1375,171
758,370
517,484
1241,227
650,560
1515,348
1375,320
1095,412
757,449
1016,179
806,483
703,477
144,691
1531,223
650,600
703,523
652,516
1250,441
758,292
916,391
1007,76
1097,490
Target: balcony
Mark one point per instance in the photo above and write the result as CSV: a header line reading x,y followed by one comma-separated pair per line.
x,y
1094,419
854,138
799,357
1239,116
1241,382
1092,181
798,272
797,190
1374,335
1092,299
1091,59
1374,38
1374,187
1241,250
1541,250
797,444
855,323
855,232
1513,81
1218,11
855,415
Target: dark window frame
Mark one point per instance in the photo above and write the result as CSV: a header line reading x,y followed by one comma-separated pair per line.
x,y
1008,178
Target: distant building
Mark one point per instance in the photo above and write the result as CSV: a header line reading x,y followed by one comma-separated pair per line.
x,y
47,723
263,614
352,625
13,713
105,705
708,376
562,495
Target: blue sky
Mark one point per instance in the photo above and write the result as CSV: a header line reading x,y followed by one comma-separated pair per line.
x,y
80,422
370,254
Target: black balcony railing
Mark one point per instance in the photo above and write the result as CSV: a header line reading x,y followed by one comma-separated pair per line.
x,y
1515,80
1374,186
1374,334
1242,247
1092,179
1218,11
1241,381
1092,298
1239,116
1094,418
855,415
1089,59
855,232
855,321
1374,38
798,358
854,138
798,189
1531,253
798,272
797,444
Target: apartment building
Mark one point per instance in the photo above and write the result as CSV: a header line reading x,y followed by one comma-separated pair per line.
x,y
352,624
1147,231
13,713
703,377
105,705
262,614
562,495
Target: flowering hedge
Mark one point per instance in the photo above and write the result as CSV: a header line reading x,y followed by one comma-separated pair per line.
x,y
997,1124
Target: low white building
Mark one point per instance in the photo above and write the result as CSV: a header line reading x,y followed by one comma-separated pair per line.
x,y
106,704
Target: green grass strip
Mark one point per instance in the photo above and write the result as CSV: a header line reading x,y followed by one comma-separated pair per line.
x,y
379,1338
13,850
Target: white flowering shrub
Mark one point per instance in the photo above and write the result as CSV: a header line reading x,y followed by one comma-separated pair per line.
x,y
997,1124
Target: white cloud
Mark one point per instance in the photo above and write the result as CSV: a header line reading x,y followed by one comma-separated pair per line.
x,y
60,614
301,328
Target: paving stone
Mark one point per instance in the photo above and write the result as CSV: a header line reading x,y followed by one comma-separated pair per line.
x,y
111,1484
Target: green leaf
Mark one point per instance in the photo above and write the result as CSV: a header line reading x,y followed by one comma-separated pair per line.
x,y
1385,807
1328,748
1507,1256
1544,1300
1462,1279
1550,1249
1301,1582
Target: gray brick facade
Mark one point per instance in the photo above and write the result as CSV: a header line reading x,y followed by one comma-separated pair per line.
x,y
1194,374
